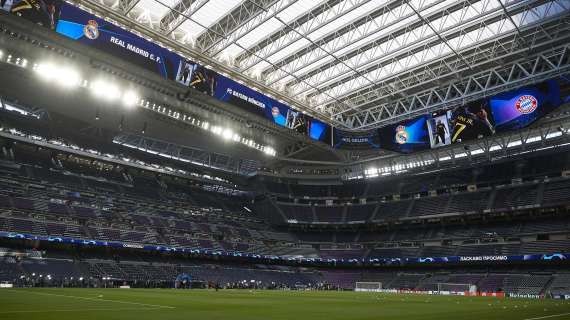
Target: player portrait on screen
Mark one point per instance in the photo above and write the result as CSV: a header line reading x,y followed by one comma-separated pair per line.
x,y
439,130
203,80
471,121
184,74
41,12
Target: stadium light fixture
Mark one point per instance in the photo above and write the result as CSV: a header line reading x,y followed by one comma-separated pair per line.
x,y
130,99
46,70
105,90
216,130
553,135
270,151
63,76
227,134
476,152
68,78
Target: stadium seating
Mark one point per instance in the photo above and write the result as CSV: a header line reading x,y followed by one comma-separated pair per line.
x,y
135,208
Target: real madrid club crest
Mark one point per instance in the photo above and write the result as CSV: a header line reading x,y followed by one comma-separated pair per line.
x,y
275,112
401,135
526,104
91,30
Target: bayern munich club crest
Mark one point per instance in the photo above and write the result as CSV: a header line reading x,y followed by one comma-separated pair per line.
x,y
401,135
91,30
526,104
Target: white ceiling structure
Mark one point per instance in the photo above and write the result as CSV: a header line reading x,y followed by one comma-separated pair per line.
x,y
362,64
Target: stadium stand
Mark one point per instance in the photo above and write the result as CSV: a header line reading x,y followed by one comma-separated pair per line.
x,y
268,165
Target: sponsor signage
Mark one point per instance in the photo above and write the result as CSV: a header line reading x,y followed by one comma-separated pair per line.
x,y
370,261
484,258
103,35
525,295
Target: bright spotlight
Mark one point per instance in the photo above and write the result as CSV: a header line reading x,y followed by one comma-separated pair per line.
x,y
269,151
68,78
217,130
227,134
63,76
46,71
130,98
105,90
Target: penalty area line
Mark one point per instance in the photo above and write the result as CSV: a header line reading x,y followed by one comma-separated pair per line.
x,y
95,299
550,316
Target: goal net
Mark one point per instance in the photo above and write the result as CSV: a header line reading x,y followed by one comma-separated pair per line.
x,y
368,286
456,288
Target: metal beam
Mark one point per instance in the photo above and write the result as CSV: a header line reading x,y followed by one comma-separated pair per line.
x,y
296,30
546,135
222,29
125,6
179,13
485,56
184,154
356,31
129,23
254,22
545,65
381,56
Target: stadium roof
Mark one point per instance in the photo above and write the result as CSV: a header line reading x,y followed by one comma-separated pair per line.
x,y
357,64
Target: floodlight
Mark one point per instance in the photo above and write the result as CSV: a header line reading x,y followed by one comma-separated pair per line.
x,y
216,130
130,98
68,77
103,89
46,70
227,134
269,151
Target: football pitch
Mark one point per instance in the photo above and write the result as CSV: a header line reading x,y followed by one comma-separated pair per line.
x,y
143,304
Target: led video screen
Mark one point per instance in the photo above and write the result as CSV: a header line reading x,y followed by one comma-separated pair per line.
x,y
519,108
406,137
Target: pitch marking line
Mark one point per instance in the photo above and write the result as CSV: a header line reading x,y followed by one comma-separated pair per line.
x,y
551,316
79,310
96,299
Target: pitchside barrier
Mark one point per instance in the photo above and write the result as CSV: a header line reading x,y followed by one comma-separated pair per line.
x,y
445,293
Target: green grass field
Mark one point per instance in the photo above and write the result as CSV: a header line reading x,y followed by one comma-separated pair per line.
x,y
142,304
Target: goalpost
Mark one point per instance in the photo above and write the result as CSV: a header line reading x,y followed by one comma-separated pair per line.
x,y
449,288
368,286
